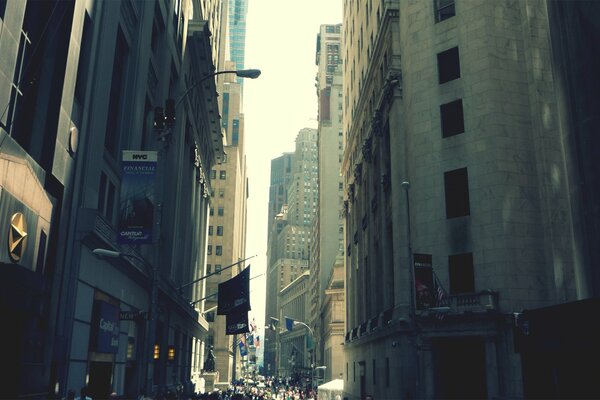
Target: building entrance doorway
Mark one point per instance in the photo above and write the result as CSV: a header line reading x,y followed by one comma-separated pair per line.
x,y
100,383
459,368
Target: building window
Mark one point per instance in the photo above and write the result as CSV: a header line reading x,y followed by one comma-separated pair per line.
x,y
374,375
448,65
444,9
235,132
218,268
210,230
220,212
106,197
209,251
222,175
219,251
117,88
213,174
219,230
456,186
387,372
453,121
208,268
462,278
221,193
212,211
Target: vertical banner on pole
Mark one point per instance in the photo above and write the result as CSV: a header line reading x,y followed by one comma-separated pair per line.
x,y
136,211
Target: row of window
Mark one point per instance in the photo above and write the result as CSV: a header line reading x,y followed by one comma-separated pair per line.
x,y
209,268
219,230
222,174
220,211
218,250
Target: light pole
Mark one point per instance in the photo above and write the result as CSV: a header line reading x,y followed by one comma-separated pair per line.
x,y
406,185
323,367
413,309
168,114
151,325
313,357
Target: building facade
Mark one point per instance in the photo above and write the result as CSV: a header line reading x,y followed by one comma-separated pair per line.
x,y
96,75
227,230
329,220
290,240
459,198
296,345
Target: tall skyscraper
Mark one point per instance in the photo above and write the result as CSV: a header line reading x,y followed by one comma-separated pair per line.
x,y
227,226
238,11
290,239
328,253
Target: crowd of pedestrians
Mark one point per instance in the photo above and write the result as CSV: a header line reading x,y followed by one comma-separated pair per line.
x,y
264,389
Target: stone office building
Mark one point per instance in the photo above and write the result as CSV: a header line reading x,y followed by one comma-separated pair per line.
x,y
465,146
80,82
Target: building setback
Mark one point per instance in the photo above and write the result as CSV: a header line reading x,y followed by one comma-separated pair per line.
x,y
466,180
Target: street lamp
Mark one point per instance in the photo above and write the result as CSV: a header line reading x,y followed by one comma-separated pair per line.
x,y
168,115
406,186
323,367
151,325
314,353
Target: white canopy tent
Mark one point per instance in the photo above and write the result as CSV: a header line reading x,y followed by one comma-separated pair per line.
x,y
331,390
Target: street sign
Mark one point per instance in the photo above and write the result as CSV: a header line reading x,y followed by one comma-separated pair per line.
x,y
132,315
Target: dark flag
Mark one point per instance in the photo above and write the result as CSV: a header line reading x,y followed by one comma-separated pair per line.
x,y
236,322
235,294
289,323
243,349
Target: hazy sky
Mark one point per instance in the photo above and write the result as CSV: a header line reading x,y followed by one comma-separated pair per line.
x,y
281,41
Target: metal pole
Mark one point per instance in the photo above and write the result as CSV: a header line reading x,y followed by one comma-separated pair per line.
x,y
152,329
214,273
406,186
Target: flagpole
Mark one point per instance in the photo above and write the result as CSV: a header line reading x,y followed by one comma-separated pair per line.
x,y
214,273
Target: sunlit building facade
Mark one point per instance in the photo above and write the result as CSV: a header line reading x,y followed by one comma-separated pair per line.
x,y
329,220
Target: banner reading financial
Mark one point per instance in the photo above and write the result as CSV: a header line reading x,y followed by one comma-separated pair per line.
x,y
137,197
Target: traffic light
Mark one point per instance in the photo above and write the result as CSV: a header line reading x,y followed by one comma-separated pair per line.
x,y
159,118
170,111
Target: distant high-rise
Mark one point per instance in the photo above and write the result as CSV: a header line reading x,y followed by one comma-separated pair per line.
x,y
238,10
290,236
281,175
327,312
227,226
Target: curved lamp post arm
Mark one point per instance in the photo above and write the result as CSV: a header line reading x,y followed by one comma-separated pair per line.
x,y
242,73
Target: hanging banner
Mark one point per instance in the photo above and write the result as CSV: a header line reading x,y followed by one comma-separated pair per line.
x,y
236,322
234,293
105,328
136,211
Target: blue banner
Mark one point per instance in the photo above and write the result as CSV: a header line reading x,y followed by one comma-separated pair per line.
x,y
106,327
136,211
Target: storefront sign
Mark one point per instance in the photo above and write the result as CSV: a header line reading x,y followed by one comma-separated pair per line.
x,y
106,327
132,315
